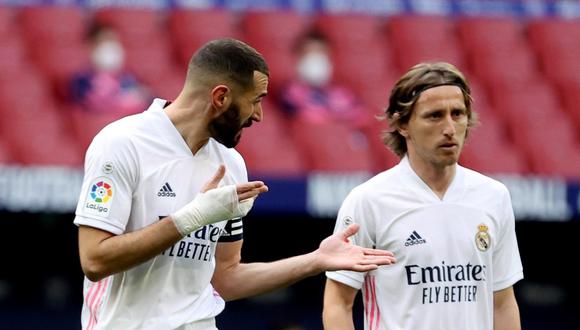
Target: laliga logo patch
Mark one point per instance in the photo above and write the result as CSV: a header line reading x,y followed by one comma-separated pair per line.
x,y
482,238
347,221
99,197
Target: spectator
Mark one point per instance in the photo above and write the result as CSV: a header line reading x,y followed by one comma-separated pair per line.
x,y
107,87
313,94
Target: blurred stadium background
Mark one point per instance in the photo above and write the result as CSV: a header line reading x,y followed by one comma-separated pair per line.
x,y
522,57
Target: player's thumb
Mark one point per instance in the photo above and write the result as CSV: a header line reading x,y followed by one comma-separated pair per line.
x,y
215,180
349,231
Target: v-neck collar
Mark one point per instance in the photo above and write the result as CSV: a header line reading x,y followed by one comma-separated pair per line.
x,y
173,136
454,192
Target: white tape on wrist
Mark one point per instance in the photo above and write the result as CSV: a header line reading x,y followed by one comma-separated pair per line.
x,y
214,205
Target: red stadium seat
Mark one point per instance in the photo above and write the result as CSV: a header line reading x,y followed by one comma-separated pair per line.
x,y
5,152
557,43
274,34
190,29
13,56
512,66
481,36
7,22
331,146
412,44
570,96
150,63
53,26
268,149
39,136
351,30
86,125
489,149
135,26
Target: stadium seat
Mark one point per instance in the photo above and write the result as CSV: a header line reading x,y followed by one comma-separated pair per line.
x,y
412,44
13,56
352,30
331,146
5,152
53,26
189,29
489,149
39,135
274,35
150,63
86,125
268,149
511,66
8,22
136,26
557,42
483,35
570,96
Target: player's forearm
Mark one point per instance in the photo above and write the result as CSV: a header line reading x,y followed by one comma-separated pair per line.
x,y
114,254
506,314
337,317
245,280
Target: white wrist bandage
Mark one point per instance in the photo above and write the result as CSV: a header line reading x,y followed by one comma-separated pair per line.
x,y
214,205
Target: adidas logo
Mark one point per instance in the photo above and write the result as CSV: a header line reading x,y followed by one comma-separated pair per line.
x,y
166,191
415,239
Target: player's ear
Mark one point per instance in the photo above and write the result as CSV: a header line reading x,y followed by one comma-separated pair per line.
x,y
221,98
402,129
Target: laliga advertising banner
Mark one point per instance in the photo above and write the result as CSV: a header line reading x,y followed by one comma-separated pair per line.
x,y
57,189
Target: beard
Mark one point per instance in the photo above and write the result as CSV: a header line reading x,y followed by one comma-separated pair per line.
x,y
226,128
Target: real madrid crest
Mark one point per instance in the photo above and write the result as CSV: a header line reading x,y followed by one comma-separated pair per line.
x,y
482,238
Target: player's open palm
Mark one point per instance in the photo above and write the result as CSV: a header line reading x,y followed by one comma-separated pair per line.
x,y
336,252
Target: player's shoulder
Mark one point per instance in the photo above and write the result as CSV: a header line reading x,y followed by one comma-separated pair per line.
x,y
381,182
118,133
481,182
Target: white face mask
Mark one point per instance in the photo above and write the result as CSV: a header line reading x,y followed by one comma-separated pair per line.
x,y
109,56
315,69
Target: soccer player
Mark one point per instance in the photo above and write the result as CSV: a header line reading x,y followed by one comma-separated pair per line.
x,y
159,215
451,228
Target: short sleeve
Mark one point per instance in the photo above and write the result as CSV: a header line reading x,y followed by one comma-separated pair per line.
x,y
108,184
352,211
507,265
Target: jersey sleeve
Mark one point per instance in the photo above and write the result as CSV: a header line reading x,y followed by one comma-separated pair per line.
x,y
352,211
233,231
108,184
507,265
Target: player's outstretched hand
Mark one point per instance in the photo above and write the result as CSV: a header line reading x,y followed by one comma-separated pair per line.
x,y
336,253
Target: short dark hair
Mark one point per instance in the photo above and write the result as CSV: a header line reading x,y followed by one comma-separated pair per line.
x,y
228,58
407,91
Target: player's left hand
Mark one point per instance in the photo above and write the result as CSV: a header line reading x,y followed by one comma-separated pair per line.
x,y
336,253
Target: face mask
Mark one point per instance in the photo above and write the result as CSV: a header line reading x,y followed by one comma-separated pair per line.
x,y
108,56
315,69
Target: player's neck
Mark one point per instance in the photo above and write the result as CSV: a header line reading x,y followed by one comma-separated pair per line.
x,y
190,123
437,177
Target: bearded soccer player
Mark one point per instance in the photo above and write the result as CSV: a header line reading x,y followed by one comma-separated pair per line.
x,y
161,206
451,228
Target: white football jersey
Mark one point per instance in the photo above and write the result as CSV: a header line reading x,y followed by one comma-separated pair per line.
x,y
137,171
452,254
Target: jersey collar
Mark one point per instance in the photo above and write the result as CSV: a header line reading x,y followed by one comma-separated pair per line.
x,y
455,191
